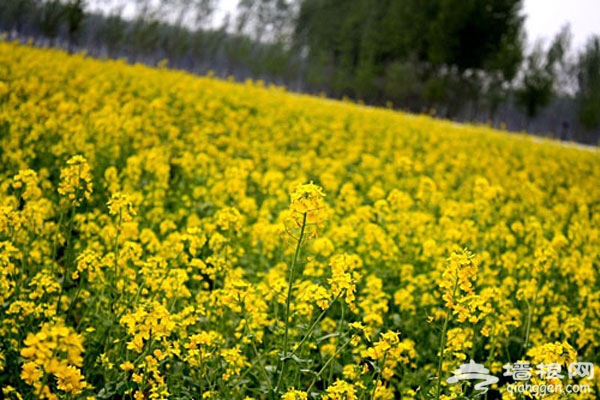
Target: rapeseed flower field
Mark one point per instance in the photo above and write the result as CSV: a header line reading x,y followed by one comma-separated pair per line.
x,y
169,236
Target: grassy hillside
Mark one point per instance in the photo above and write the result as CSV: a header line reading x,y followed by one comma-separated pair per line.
x,y
168,236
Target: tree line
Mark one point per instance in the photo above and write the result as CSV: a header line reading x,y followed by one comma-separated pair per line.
x,y
460,59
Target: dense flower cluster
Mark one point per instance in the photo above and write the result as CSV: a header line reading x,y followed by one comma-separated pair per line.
x,y
55,350
169,236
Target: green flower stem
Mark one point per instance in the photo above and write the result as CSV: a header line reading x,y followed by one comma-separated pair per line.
x,y
288,302
313,325
324,367
443,345
340,326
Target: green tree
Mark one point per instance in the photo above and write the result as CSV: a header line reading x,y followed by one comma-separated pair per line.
x,y
588,93
75,14
51,16
15,14
536,87
469,34
540,83
362,43
112,32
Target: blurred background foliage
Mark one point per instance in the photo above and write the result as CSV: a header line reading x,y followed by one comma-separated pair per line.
x,y
467,60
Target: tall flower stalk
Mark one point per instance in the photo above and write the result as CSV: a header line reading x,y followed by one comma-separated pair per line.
x,y
457,286
443,346
306,212
288,301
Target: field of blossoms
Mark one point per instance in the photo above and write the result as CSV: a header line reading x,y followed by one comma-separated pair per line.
x,y
169,236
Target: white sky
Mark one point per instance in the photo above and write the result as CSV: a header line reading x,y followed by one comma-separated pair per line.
x,y
545,18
